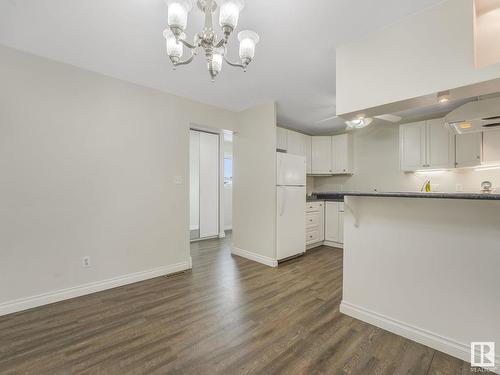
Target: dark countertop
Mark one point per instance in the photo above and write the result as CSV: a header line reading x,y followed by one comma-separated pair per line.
x,y
477,196
316,199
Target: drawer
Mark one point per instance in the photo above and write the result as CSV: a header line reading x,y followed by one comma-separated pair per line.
x,y
312,219
314,206
312,236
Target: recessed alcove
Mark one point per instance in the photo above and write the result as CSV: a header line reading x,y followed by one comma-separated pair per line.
x,y
487,32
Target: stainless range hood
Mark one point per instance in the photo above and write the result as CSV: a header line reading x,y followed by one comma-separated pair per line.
x,y
479,116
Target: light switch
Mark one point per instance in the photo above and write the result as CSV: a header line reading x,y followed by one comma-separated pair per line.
x,y
178,180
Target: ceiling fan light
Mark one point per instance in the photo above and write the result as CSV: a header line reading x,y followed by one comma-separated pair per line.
x,y
178,11
248,40
358,123
230,13
174,48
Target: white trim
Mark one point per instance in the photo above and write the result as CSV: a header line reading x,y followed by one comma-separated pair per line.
x,y
334,244
229,227
325,243
194,227
314,245
422,336
21,304
255,257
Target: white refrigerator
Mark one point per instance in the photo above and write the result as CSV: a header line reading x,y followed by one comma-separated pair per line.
x,y
291,203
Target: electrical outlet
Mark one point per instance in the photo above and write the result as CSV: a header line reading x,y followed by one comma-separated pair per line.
x,y
459,188
436,187
86,262
178,180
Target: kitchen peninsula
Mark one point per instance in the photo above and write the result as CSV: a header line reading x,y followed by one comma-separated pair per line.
x,y
426,269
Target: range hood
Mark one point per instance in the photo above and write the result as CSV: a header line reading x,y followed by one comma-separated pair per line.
x,y
479,116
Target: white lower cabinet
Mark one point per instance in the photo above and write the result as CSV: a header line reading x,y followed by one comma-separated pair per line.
x,y
334,222
324,224
315,226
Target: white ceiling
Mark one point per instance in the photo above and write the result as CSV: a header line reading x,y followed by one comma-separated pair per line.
x,y
294,64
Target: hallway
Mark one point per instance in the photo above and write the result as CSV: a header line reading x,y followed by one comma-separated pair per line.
x,y
228,316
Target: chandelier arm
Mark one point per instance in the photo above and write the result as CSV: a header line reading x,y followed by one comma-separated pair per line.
x,y
242,66
187,44
222,43
185,62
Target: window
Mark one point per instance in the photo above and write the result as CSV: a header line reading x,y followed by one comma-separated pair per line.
x,y
228,171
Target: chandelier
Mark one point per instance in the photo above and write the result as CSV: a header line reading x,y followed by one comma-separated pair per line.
x,y
215,50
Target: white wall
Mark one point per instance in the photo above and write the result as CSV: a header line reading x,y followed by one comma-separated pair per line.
x,y
87,166
254,184
420,55
426,269
228,207
376,166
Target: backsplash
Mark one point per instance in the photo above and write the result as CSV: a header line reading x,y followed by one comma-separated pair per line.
x,y
376,167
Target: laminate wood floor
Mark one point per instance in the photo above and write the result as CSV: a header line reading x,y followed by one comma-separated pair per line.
x,y
226,316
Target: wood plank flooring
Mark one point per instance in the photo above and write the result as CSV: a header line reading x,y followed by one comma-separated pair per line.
x,y
226,316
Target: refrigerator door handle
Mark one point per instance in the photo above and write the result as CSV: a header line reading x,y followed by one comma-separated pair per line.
x,y
282,201
280,170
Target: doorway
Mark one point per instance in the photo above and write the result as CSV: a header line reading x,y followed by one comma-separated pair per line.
x,y
204,184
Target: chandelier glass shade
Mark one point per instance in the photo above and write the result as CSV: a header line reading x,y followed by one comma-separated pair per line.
x,y
215,49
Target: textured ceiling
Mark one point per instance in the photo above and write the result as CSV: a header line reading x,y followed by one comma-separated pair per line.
x,y
294,65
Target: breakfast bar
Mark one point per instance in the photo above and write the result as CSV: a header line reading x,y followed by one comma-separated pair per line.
x,y
424,266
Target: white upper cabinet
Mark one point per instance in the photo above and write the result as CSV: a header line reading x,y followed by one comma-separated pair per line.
x,y
469,149
300,144
321,155
332,155
296,143
440,145
426,145
308,141
342,154
281,139
412,146
491,147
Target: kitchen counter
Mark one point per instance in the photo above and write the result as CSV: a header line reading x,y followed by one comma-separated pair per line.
x,y
341,195
424,268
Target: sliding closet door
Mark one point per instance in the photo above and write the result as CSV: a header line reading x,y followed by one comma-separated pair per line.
x,y
209,185
194,184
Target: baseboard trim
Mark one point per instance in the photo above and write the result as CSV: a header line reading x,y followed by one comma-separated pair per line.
x,y
81,290
255,257
334,244
422,336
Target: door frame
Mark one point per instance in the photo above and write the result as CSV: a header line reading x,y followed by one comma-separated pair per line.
x,y
220,134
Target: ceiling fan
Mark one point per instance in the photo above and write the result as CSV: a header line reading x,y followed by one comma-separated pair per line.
x,y
362,121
